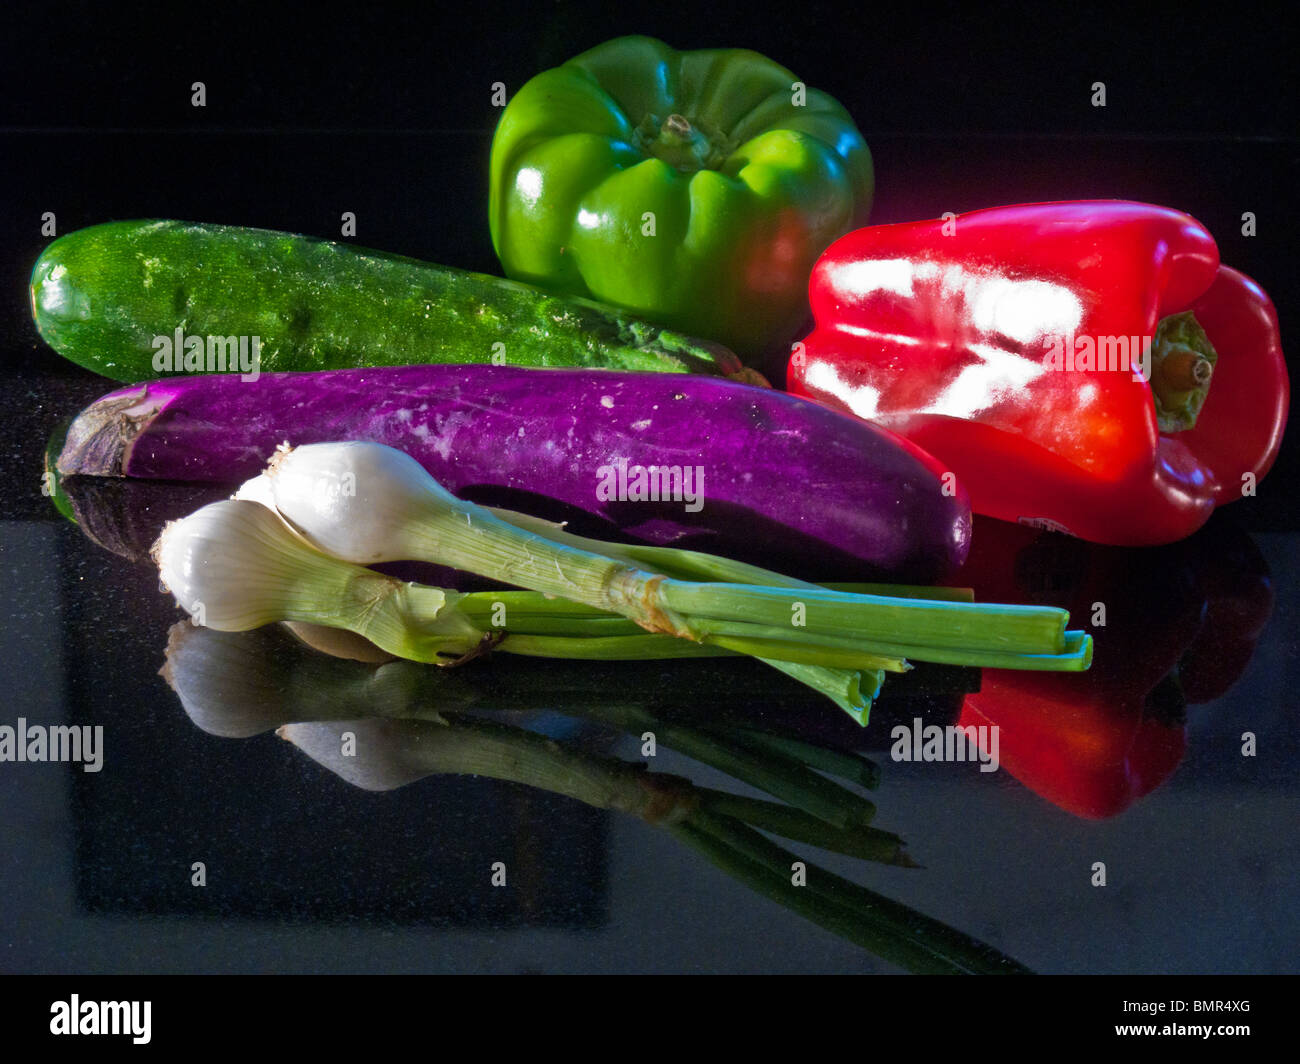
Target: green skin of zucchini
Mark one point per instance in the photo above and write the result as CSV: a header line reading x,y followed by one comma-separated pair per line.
x,y
102,296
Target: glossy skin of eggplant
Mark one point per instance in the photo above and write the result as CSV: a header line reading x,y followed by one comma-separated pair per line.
x,y
775,480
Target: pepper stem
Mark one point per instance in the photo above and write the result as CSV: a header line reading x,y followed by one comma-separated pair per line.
x,y
677,127
679,143
1182,363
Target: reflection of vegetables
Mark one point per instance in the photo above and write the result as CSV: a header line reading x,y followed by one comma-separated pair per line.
x,y
244,684
125,516
394,753
1238,590
1082,748
759,475
238,684
1093,744
695,187
51,479
1009,344
100,297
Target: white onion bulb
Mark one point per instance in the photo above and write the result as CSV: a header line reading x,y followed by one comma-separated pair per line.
x,y
234,565
363,502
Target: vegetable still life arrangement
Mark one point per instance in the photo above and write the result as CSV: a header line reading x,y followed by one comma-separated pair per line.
x,y
595,439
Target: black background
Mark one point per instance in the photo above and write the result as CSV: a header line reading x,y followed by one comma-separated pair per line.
x,y
900,68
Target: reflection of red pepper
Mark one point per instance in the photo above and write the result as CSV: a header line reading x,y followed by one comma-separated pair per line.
x,y
1008,343
1239,601
1093,743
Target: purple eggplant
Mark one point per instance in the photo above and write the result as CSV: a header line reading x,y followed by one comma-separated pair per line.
x,y
674,460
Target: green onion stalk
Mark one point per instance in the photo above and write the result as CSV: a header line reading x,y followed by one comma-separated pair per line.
x,y
341,507
368,503
235,565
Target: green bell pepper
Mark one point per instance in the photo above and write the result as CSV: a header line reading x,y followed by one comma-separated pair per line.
x,y
695,188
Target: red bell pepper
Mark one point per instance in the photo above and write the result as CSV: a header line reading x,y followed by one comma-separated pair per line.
x,y
1085,366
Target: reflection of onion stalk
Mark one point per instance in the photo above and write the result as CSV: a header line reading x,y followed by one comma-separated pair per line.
x,y
238,684
722,827
245,683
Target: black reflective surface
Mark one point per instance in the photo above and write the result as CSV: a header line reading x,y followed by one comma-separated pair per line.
x,y
1197,839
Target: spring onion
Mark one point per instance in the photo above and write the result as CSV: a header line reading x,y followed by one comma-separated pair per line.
x,y
295,543
235,565
368,503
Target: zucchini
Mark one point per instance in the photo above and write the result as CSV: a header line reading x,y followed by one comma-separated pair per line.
x,y
126,299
